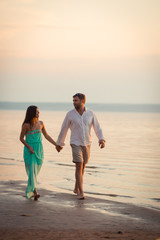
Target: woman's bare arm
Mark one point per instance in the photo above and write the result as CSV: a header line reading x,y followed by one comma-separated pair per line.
x,y
21,138
47,136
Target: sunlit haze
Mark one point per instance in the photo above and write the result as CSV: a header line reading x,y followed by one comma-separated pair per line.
x,y
107,49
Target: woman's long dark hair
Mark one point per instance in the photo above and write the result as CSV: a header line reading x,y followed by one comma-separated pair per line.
x,y
30,114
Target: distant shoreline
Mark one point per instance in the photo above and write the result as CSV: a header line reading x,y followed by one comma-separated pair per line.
x,y
99,107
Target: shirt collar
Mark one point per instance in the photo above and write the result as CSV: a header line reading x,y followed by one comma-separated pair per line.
x,y
85,110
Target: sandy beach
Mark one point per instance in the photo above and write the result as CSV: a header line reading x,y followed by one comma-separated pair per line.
x,y
61,216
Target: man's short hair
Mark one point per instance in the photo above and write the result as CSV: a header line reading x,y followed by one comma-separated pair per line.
x,y
81,96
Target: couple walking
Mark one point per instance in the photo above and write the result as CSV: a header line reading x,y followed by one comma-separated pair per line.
x,y
80,121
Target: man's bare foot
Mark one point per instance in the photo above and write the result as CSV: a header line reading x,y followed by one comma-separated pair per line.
x,y
81,196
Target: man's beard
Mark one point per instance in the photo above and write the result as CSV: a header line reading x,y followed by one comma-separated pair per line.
x,y
77,107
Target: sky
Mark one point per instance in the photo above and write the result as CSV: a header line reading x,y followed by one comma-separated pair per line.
x,y
107,49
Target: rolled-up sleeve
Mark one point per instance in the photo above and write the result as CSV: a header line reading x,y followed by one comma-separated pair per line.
x,y
63,132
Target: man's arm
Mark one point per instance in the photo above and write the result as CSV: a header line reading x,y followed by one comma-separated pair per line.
x,y
98,131
63,132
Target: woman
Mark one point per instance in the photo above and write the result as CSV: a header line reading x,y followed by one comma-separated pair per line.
x,y
33,150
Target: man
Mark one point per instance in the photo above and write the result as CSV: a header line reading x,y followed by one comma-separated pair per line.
x,y
80,121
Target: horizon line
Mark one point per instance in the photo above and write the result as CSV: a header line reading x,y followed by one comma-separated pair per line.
x,y
55,102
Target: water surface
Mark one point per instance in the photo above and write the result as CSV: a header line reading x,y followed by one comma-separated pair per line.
x,y
127,170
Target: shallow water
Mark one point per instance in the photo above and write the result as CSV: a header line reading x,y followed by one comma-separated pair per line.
x,y
127,170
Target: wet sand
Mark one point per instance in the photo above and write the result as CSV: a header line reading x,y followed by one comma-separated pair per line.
x,y
61,216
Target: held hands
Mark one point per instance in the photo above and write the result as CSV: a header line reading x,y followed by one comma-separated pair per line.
x,y
102,143
58,148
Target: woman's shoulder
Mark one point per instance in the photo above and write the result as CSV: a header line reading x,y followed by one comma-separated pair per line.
x,y
41,124
26,126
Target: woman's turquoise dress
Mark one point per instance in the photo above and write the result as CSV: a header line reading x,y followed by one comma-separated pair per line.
x,y
34,161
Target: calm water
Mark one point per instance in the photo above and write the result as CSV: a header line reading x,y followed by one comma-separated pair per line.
x,y
127,170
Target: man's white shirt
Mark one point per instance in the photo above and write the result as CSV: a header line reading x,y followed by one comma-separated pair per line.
x,y
80,126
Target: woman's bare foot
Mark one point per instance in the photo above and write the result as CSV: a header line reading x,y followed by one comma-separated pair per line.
x,y
76,191
36,195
